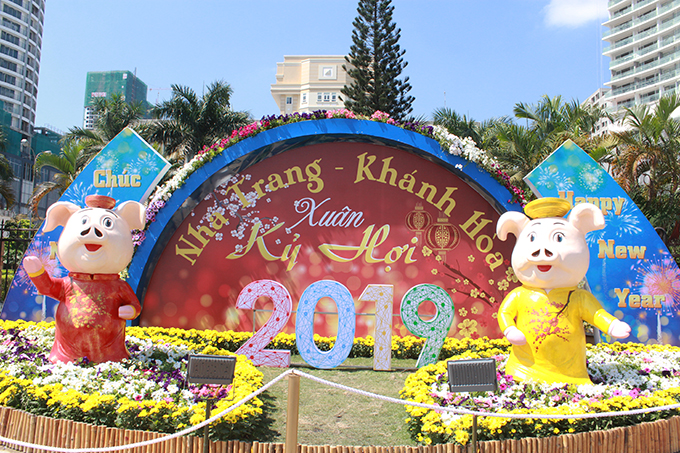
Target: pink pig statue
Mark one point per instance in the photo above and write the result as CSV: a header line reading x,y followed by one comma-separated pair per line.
x,y
95,303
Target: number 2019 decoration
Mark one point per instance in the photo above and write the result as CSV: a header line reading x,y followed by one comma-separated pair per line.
x,y
434,330
254,348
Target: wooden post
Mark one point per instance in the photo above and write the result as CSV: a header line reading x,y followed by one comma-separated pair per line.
x,y
32,425
293,413
206,428
474,434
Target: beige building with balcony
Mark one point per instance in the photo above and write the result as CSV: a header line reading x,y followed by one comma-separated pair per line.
x,y
644,47
305,83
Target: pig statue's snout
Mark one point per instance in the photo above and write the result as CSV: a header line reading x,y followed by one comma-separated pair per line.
x,y
97,233
547,253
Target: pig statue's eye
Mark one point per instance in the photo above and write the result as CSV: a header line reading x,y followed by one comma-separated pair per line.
x,y
107,222
532,237
558,237
84,219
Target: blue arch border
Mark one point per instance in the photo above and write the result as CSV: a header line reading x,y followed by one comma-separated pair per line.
x,y
252,150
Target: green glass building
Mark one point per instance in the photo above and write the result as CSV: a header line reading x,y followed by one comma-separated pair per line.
x,y
104,84
20,152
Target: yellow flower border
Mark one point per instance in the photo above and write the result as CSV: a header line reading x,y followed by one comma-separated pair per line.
x,y
427,426
96,408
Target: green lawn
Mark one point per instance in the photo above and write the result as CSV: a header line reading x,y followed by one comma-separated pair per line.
x,y
330,416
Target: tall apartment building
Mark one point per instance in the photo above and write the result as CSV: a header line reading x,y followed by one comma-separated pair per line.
x,y
307,83
104,84
644,48
21,29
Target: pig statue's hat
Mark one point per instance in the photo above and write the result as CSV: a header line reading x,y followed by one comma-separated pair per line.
x,y
100,201
547,207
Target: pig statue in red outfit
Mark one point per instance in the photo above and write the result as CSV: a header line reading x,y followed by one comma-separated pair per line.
x,y
94,303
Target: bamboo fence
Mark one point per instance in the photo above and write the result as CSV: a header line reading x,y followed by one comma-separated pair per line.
x,y
662,436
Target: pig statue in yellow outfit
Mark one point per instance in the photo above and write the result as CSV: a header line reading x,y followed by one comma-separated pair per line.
x,y
543,319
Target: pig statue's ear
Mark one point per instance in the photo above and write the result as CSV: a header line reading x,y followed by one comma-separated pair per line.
x,y
58,214
133,213
511,222
586,217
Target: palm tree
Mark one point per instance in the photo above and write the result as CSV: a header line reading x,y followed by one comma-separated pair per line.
x,y
459,125
72,159
6,174
551,118
546,116
113,115
6,178
646,157
482,133
520,150
187,123
549,124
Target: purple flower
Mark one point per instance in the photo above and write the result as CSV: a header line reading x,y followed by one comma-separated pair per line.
x,y
138,237
153,209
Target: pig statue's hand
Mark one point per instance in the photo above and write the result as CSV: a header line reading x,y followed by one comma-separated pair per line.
x,y
618,329
32,264
127,312
515,336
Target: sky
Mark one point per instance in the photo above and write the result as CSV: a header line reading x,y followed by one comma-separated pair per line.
x,y
477,57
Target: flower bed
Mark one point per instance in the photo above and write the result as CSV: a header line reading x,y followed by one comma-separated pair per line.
x,y
626,377
148,391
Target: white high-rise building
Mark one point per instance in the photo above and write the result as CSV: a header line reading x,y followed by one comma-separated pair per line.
x,y
21,29
644,47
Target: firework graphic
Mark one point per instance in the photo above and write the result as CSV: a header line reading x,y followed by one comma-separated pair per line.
x,y
77,192
590,177
660,277
40,249
551,178
144,166
626,224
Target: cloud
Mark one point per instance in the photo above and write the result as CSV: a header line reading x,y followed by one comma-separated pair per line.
x,y
574,13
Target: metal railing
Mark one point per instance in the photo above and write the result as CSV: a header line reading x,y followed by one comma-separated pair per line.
x,y
645,50
644,99
614,2
621,12
14,241
650,31
639,5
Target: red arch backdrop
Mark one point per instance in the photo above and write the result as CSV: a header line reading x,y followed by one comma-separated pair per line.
x,y
357,213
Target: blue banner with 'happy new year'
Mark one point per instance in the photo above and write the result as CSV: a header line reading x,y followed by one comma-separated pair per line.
x,y
631,271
